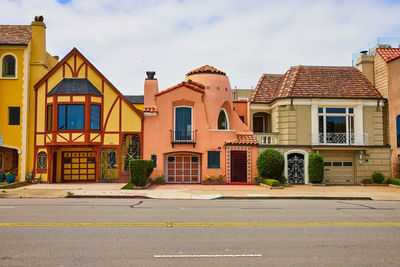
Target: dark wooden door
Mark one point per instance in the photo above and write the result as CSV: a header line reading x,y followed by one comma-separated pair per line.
x,y
54,168
258,124
238,167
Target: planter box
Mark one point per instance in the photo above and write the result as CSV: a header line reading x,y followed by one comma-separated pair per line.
x,y
143,187
312,184
374,184
207,182
271,187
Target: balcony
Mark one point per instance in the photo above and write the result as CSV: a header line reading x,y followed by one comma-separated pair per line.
x,y
183,137
342,139
267,138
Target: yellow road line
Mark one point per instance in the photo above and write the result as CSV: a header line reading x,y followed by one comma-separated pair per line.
x,y
172,224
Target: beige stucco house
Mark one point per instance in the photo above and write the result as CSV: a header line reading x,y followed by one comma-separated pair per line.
x,y
382,70
334,111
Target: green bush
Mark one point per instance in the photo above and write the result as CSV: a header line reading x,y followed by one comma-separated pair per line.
x,y
282,179
141,170
378,177
270,164
367,181
316,168
271,182
160,178
394,181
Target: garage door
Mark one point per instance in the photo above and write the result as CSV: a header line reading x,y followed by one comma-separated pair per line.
x,y
78,167
183,168
339,169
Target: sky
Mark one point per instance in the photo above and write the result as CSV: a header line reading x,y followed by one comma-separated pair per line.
x,y
244,38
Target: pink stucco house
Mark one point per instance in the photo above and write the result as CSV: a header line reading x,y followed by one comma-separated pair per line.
x,y
192,131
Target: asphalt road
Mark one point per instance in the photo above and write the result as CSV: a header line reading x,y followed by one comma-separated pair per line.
x,y
122,232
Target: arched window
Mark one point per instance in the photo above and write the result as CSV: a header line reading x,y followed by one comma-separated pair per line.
x,y
8,66
223,123
42,161
398,130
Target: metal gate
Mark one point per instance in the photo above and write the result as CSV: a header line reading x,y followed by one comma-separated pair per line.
x,y
295,166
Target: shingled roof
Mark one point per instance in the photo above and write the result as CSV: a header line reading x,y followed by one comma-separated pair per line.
x,y
389,54
315,82
135,99
15,34
206,69
74,87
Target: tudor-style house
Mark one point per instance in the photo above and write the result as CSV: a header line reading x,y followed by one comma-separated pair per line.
x,y
192,131
334,111
85,129
383,70
23,61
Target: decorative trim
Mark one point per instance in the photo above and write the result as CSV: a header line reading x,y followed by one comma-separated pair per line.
x,y
299,151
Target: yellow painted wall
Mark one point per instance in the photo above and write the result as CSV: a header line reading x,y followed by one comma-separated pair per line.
x,y
130,120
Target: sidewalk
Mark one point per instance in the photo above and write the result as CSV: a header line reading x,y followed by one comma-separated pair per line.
x,y
197,191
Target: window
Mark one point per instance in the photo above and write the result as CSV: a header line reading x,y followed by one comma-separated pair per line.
x,y
398,130
154,159
183,124
336,125
94,117
42,161
71,117
8,66
13,115
49,125
223,123
213,159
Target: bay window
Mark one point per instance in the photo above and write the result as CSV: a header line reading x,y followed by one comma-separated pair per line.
x,y
94,117
71,117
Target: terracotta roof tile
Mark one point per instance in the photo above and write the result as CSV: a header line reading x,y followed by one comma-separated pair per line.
x,y
244,138
150,108
388,54
315,82
206,69
15,34
198,87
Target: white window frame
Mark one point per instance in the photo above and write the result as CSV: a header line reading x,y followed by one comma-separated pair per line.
x,y
347,115
227,120
16,67
192,125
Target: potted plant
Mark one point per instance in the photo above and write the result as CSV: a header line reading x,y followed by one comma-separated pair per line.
x,y
10,176
2,175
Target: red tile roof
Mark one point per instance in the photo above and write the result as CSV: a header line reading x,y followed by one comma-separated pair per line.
x,y
315,82
244,138
150,108
389,54
206,69
15,34
198,87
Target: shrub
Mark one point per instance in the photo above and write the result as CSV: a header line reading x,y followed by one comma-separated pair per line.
x,y
394,181
378,177
316,168
367,181
140,171
270,164
160,178
271,182
282,179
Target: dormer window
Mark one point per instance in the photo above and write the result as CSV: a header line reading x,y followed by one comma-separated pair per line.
x,y
223,123
9,66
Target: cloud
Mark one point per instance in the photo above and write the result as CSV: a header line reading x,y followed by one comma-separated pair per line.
x,y
123,39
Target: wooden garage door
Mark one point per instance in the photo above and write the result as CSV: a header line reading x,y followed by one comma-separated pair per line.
x,y
339,169
78,167
184,168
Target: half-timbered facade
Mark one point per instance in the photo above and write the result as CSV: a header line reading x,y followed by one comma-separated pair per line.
x,y
85,129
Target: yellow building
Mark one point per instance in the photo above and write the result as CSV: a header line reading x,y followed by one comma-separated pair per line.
x,y
23,61
85,129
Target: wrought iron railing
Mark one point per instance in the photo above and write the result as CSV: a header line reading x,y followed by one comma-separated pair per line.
x,y
183,137
341,138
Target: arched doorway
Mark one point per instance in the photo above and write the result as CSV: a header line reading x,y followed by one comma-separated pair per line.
x,y
296,166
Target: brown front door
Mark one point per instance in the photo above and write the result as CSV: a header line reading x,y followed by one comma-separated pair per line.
x,y
239,167
258,124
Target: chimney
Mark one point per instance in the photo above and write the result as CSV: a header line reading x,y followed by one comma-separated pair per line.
x,y
38,49
150,89
365,63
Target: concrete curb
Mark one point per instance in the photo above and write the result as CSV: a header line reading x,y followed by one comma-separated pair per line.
x,y
299,197
106,196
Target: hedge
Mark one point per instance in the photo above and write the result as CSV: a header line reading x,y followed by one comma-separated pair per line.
x,y
141,170
270,164
271,182
316,168
378,177
394,181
